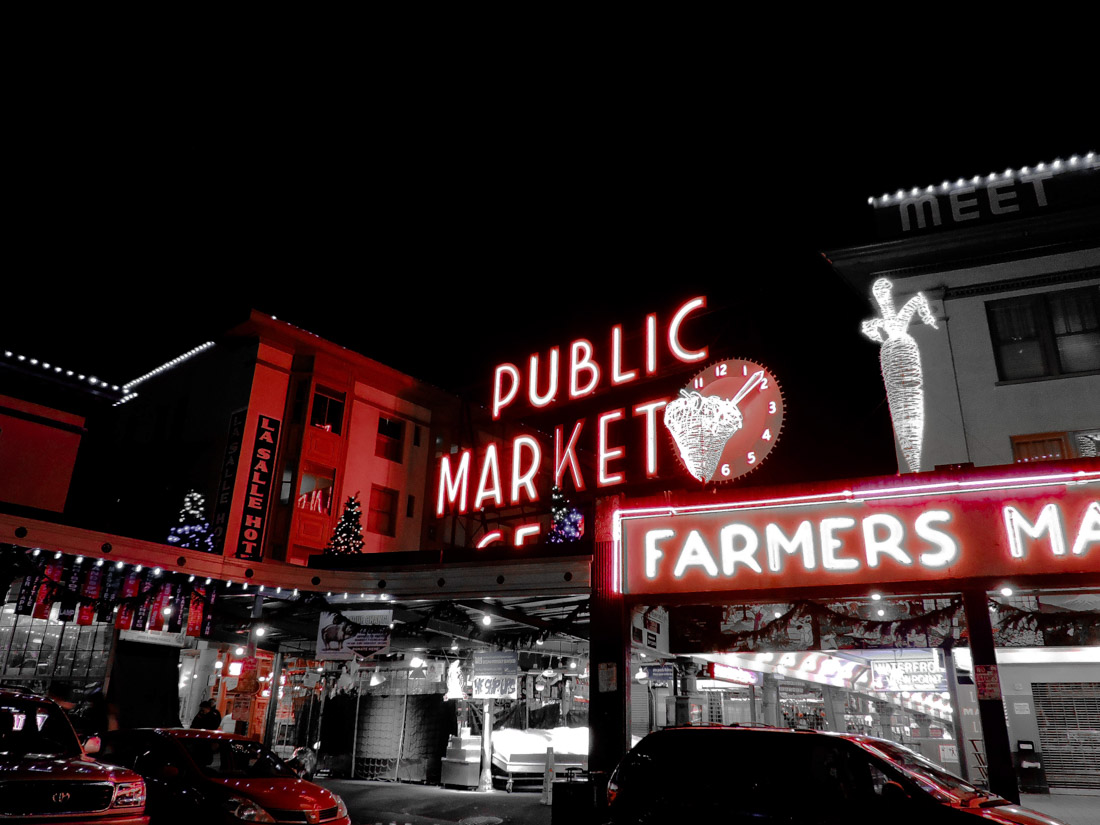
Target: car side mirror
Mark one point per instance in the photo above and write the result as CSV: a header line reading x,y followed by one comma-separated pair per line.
x,y
92,745
894,792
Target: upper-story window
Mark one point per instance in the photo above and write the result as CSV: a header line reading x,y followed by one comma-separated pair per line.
x,y
328,410
1046,335
391,436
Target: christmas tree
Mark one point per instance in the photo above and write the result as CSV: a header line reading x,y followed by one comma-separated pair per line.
x,y
347,537
567,523
193,530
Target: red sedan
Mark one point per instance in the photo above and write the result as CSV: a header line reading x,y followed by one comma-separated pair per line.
x,y
197,775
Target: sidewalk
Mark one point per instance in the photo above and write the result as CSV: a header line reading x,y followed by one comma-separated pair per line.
x,y
1073,810
383,803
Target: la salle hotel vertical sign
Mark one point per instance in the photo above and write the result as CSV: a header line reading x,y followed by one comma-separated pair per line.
x,y
261,469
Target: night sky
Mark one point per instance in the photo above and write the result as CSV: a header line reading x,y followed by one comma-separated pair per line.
x,y
444,251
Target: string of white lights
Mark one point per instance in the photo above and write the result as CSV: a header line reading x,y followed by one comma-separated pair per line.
x,y
56,370
175,362
1075,162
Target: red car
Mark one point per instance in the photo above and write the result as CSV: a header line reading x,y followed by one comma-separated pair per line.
x,y
207,776
771,775
46,777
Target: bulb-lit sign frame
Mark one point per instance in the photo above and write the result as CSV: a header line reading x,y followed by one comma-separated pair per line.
x,y
866,535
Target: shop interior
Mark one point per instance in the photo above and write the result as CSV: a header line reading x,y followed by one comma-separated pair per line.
x,y
890,667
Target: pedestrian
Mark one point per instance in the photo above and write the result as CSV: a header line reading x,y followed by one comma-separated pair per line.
x,y
207,717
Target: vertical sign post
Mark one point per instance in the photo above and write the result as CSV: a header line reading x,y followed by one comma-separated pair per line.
x,y
261,469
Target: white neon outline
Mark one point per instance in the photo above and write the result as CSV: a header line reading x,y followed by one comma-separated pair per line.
x,y
1092,513
875,548
802,541
603,454
653,553
617,374
585,363
462,476
499,403
695,553
525,530
533,380
649,409
570,456
949,548
674,332
746,555
527,479
830,543
491,462
651,343
1049,521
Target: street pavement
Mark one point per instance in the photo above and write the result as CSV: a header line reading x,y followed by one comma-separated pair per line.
x,y
402,803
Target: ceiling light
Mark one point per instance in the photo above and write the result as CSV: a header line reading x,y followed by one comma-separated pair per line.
x,y
1006,591
486,619
240,651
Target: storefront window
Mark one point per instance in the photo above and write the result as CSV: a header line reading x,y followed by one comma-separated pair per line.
x,y
315,493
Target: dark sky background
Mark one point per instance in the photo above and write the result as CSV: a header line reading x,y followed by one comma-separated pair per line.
x,y
446,240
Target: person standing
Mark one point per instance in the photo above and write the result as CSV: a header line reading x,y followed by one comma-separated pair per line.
x,y
207,717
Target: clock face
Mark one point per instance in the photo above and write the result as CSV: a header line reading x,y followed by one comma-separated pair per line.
x,y
727,421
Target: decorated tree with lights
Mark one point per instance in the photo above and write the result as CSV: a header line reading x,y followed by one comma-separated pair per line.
x,y
347,536
567,523
192,531
901,367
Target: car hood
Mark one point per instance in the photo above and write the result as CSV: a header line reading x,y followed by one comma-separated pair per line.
x,y
280,793
1013,815
70,768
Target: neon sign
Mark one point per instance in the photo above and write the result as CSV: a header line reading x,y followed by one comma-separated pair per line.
x,y
902,534
505,475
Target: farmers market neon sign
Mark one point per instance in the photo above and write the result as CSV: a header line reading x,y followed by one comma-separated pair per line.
x,y
975,529
506,474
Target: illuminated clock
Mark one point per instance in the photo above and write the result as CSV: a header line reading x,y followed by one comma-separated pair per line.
x,y
727,421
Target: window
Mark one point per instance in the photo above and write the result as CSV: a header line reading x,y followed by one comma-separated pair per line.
x,y
382,514
391,434
328,410
315,493
1051,334
1054,446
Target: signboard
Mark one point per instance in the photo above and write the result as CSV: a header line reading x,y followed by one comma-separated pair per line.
x,y
1001,195
987,682
506,474
261,468
949,753
913,672
228,478
343,636
660,673
153,637
496,675
608,674
733,675
882,531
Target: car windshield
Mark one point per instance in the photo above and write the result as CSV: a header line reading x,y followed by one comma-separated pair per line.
x,y
924,771
35,730
234,758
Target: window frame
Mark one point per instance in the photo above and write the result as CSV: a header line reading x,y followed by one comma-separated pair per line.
x,y
1039,306
390,447
330,397
391,514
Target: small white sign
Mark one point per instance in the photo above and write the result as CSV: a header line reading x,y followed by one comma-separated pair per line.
x,y
1021,708
608,677
949,753
495,687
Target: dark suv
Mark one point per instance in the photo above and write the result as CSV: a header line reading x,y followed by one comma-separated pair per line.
x,y
45,776
772,775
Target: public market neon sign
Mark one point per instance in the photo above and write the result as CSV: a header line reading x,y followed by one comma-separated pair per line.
x,y
507,476
1008,527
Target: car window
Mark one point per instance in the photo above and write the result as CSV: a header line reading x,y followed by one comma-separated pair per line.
x,y
122,748
30,728
228,758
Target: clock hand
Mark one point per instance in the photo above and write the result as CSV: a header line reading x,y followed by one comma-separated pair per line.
x,y
754,379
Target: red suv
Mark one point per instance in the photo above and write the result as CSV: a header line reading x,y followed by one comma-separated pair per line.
x,y
772,775
45,776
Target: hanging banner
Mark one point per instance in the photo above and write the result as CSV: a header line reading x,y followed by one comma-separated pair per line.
x,y
131,585
208,612
44,599
141,613
250,541
343,636
197,599
69,589
106,605
496,675
24,605
224,498
180,602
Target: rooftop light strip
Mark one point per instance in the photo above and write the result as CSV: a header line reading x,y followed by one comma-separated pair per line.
x,y
53,369
175,362
1075,162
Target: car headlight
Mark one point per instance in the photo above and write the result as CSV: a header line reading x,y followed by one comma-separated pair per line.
x,y
129,795
246,810
341,806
